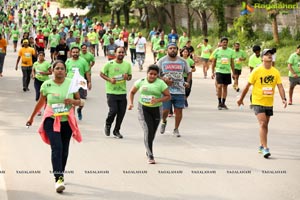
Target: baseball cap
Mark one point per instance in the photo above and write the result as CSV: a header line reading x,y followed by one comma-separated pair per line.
x,y
265,51
172,44
25,41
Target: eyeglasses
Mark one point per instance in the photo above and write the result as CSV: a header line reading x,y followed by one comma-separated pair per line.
x,y
59,68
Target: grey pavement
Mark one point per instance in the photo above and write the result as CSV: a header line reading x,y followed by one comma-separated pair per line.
x,y
215,159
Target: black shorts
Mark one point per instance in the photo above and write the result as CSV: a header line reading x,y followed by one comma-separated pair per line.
x,y
46,39
237,71
268,110
126,45
224,79
204,60
294,81
52,49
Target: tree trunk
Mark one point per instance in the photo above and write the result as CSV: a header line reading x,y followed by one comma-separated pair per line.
x,y
173,21
126,15
189,20
159,18
118,13
147,19
142,24
275,29
204,22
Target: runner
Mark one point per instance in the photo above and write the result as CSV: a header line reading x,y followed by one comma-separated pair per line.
x,y
40,72
172,68
25,55
54,39
84,69
116,73
140,44
206,51
254,59
59,122
61,50
183,40
110,49
132,48
294,72
264,79
239,56
3,46
153,92
223,64
154,45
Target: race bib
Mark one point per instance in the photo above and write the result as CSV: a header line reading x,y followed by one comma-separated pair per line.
x,y
268,91
224,61
173,40
27,55
206,51
15,35
41,40
141,47
111,52
237,61
119,78
146,99
60,109
62,53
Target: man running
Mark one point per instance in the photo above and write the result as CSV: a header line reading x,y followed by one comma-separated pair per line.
x,y
294,72
264,79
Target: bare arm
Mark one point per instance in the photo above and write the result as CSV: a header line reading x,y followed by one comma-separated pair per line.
x,y
131,97
245,91
292,71
282,94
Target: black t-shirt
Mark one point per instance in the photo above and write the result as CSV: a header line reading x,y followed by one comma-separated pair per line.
x,y
62,52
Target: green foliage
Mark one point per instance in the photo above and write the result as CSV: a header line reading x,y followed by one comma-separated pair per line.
x,y
243,28
285,33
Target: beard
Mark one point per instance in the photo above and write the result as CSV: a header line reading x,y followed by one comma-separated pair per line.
x,y
172,54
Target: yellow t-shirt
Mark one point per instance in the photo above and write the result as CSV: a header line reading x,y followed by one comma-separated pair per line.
x,y
26,56
264,82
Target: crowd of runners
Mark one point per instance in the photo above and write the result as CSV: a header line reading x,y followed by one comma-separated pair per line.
x,y
73,42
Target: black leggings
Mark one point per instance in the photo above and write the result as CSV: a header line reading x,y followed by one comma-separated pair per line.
x,y
117,108
149,118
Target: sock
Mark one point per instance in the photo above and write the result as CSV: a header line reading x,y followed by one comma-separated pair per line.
x,y
219,99
223,101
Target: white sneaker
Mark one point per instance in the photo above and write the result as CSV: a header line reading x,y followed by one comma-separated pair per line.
x,y
176,133
59,185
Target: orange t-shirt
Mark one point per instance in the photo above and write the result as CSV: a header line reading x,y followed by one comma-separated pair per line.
x,y
26,56
3,45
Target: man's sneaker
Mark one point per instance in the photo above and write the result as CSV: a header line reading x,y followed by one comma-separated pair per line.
x,y
151,161
163,127
266,152
118,135
260,149
107,130
220,106
224,107
176,132
79,113
59,185
237,89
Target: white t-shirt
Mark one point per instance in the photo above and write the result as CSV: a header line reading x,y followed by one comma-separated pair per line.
x,y
119,43
140,44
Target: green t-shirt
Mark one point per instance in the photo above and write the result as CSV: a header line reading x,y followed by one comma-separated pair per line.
x,y
112,69
93,37
74,44
161,51
191,63
46,31
105,38
15,34
294,60
131,43
56,94
89,57
205,51
155,42
236,56
150,90
254,61
223,60
41,67
182,41
81,64
54,40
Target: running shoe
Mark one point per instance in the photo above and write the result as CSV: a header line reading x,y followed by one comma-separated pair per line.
x,y
151,161
170,115
59,185
107,130
220,106
237,89
176,132
79,113
39,113
224,107
266,152
163,127
260,149
117,134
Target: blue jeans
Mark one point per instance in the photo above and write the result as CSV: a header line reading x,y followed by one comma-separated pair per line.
x,y
59,142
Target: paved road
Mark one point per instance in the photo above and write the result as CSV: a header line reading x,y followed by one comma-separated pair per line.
x,y
216,157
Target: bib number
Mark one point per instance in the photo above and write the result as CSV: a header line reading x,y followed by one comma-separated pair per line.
x,y
268,91
60,109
